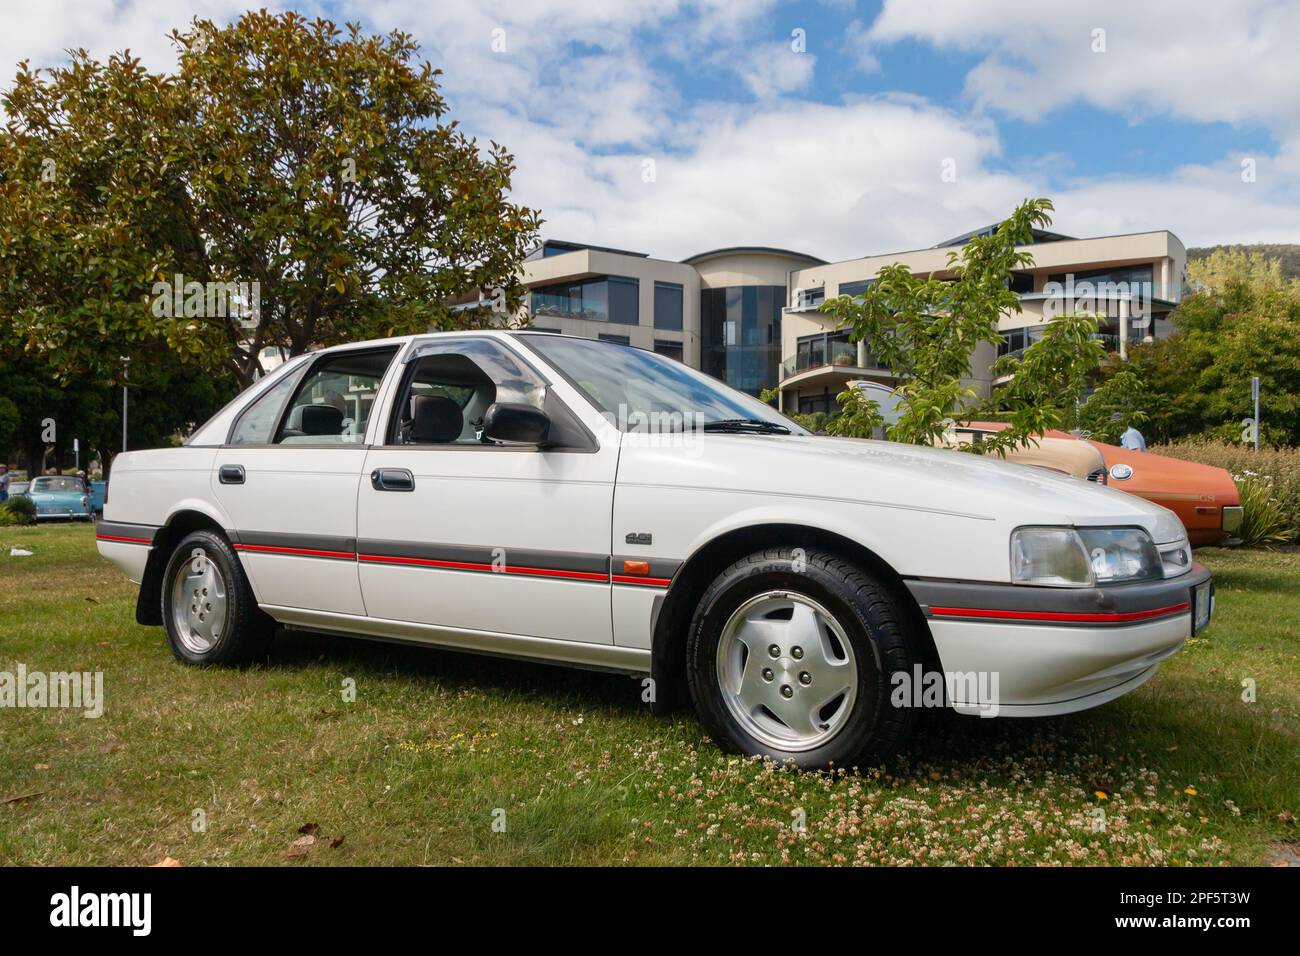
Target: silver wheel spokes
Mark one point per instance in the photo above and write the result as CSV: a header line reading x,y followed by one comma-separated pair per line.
x,y
787,670
199,605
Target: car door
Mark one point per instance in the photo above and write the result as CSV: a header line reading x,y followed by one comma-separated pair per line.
x,y
471,536
288,479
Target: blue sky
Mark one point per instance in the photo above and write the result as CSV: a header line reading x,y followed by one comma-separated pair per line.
x,y
670,126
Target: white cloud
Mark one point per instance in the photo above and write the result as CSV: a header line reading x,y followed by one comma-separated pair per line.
x,y
586,90
105,27
1232,62
858,45
773,69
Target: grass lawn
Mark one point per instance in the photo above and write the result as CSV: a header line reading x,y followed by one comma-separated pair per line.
x,y
437,744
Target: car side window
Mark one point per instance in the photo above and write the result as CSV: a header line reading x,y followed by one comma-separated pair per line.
x,y
257,421
450,386
334,401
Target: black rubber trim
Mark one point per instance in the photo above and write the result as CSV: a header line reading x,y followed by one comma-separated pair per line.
x,y
114,530
1109,599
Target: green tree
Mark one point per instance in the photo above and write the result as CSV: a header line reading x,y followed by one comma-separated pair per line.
x,y
925,330
314,161
1119,401
1241,320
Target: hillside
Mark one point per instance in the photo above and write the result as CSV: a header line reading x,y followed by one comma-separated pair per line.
x,y
1287,253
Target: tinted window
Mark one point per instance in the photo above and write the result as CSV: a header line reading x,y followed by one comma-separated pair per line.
x,y
257,422
668,306
333,404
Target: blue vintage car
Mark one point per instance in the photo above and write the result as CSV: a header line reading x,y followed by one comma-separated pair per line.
x,y
59,497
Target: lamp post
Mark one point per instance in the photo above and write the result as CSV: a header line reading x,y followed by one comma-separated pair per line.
x,y
126,374
1254,394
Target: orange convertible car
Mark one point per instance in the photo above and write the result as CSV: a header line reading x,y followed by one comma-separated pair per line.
x,y
1204,498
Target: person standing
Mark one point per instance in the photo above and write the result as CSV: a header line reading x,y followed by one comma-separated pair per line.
x,y
4,482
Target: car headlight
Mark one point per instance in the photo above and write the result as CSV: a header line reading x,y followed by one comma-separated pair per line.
x,y
1082,557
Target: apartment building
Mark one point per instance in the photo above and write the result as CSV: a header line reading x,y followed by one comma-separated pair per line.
x,y
748,314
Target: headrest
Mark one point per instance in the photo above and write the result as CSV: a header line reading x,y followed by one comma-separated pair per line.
x,y
319,420
435,419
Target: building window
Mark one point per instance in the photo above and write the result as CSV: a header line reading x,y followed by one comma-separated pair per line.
x,y
672,350
810,298
624,300
607,299
616,339
1022,283
824,348
1129,275
740,335
856,288
811,404
668,306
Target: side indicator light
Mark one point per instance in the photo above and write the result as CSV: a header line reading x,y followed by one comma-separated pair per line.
x,y
636,567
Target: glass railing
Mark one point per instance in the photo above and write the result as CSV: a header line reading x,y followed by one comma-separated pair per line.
x,y
829,353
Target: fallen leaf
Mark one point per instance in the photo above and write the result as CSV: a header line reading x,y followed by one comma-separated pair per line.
x,y
292,854
92,600
112,748
336,843
40,766
304,841
166,861
309,828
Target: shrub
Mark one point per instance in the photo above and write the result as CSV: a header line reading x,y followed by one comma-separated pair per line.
x,y
18,509
1278,467
1263,521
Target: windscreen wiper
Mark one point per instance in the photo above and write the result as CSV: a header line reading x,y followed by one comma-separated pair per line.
x,y
756,425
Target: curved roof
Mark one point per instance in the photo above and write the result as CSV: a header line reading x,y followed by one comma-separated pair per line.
x,y
752,250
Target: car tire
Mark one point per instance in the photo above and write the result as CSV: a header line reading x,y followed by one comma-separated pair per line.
x,y
834,626
208,608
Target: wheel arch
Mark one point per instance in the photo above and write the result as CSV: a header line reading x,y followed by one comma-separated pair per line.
x,y
181,522
672,621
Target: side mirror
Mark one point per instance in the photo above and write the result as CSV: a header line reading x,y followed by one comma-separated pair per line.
x,y
516,424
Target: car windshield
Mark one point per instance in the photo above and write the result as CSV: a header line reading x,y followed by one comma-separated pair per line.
x,y
638,390
50,485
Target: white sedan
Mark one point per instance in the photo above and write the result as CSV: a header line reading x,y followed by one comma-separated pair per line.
x,y
541,496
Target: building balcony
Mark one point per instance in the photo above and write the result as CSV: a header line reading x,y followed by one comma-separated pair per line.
x,y
830,367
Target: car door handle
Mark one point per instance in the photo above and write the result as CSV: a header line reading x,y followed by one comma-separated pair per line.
x,y
392,479
231,474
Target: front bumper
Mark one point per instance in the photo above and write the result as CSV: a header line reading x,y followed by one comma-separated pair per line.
x,y
1045,651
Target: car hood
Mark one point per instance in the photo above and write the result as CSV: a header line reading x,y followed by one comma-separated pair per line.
x,y
1158,476
892,475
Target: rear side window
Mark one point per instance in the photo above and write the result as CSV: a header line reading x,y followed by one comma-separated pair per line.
x,y
257,422
334,401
